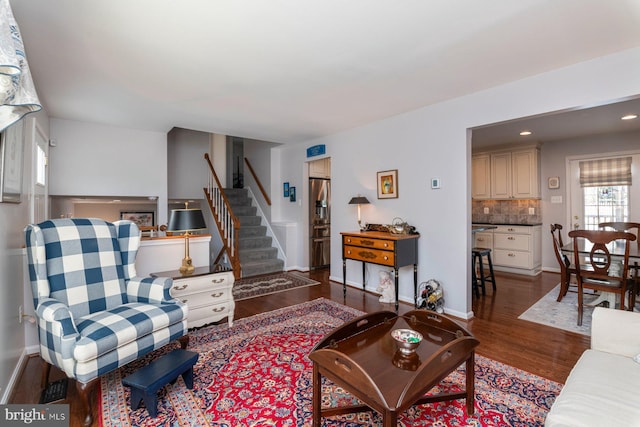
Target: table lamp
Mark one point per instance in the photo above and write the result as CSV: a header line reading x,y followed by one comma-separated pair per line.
x,y
186,220
359,200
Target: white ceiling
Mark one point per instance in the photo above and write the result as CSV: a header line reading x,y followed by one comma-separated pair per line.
x,y
562,125
291,70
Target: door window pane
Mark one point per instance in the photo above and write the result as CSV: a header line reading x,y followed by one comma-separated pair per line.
x,y
605,204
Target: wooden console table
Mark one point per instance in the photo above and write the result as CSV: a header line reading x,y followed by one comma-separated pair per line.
x,y
375,247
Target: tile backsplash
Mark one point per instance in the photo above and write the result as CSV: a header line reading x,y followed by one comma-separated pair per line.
x,y
506,211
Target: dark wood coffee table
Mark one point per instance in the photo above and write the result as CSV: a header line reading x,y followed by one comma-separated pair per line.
x,y
362,357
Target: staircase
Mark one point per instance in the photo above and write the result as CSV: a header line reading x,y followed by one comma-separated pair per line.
x,y
257,255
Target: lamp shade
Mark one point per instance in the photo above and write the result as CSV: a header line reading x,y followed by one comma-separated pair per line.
x,y
359,200
186,220
17,91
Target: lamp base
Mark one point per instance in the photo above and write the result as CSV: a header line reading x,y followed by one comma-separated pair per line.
x,y
187,267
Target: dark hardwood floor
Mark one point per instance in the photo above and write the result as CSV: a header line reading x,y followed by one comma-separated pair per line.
x,y
545,351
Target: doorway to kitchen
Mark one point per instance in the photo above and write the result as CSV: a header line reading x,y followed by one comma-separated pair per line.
x,y
319,213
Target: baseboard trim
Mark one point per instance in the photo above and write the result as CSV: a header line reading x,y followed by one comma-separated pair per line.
x,y
15,376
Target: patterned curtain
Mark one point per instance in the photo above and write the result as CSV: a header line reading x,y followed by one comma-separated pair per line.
x,y
605,172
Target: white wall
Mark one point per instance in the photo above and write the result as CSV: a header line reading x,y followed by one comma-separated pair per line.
x,y
554,161
14,217
259,155
95,160
434,142
187,172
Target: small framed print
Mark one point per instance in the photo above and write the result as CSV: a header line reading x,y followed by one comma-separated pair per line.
x,y
388,184
292,194
554,182
285,188
140,218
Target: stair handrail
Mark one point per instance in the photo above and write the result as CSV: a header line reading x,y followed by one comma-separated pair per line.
x,y
227,223
257,180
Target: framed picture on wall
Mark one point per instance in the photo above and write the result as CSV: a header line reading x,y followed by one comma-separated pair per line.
x,y
140,218
285,189
292,194
388,184
11,154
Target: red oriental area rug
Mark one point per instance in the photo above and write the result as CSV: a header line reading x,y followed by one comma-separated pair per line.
x,y
257,373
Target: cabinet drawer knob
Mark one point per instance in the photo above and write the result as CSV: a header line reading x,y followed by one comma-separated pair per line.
x,y
386,244
349,252
217,310
217,294
512,229
348,240
511,255
386,258
180,288
217,280
511,238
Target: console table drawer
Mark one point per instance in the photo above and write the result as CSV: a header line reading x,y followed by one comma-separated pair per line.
x,y
212,296
373,256
366,242
196,285
209,313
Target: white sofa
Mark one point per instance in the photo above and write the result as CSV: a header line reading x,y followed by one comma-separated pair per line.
x,y
603,388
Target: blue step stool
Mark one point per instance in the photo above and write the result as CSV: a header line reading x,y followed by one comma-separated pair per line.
x,y
146,381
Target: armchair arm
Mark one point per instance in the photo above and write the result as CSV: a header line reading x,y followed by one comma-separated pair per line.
x,y
615,331
58,334
154,290
53,311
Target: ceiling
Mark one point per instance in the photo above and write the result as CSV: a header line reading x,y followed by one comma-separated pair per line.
x,y
561,125
289,70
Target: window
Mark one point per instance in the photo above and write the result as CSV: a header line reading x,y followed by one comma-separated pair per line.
x,y
41,163
605,204
602,190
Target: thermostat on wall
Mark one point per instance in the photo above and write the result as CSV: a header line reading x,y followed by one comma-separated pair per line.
x,y
435,183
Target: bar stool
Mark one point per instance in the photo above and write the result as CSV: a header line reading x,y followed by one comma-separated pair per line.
x,y
477,261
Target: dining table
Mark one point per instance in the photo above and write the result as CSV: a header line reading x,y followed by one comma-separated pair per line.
x,y
617,250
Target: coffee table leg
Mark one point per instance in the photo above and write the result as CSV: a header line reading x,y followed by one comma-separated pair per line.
x,y
317,390
389,419
471,384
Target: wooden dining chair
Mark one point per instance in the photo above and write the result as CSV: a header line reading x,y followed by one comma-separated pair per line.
x,y
634,228
594,270
566,268
629,227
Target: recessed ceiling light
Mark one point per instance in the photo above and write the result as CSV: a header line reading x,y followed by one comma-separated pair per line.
x,y
629,117
525,133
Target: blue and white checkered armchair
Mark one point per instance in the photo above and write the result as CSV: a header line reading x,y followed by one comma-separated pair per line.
x,y
94,315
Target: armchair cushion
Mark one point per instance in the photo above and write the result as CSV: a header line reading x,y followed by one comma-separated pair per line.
x,y
103,331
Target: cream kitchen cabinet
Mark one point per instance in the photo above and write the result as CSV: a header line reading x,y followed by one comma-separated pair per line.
x,y
515,174
483,239
481,176
208,295
517,249
320,168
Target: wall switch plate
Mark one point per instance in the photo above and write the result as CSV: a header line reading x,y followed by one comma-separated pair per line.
x,y
486,210
532,211
435,183
556,199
